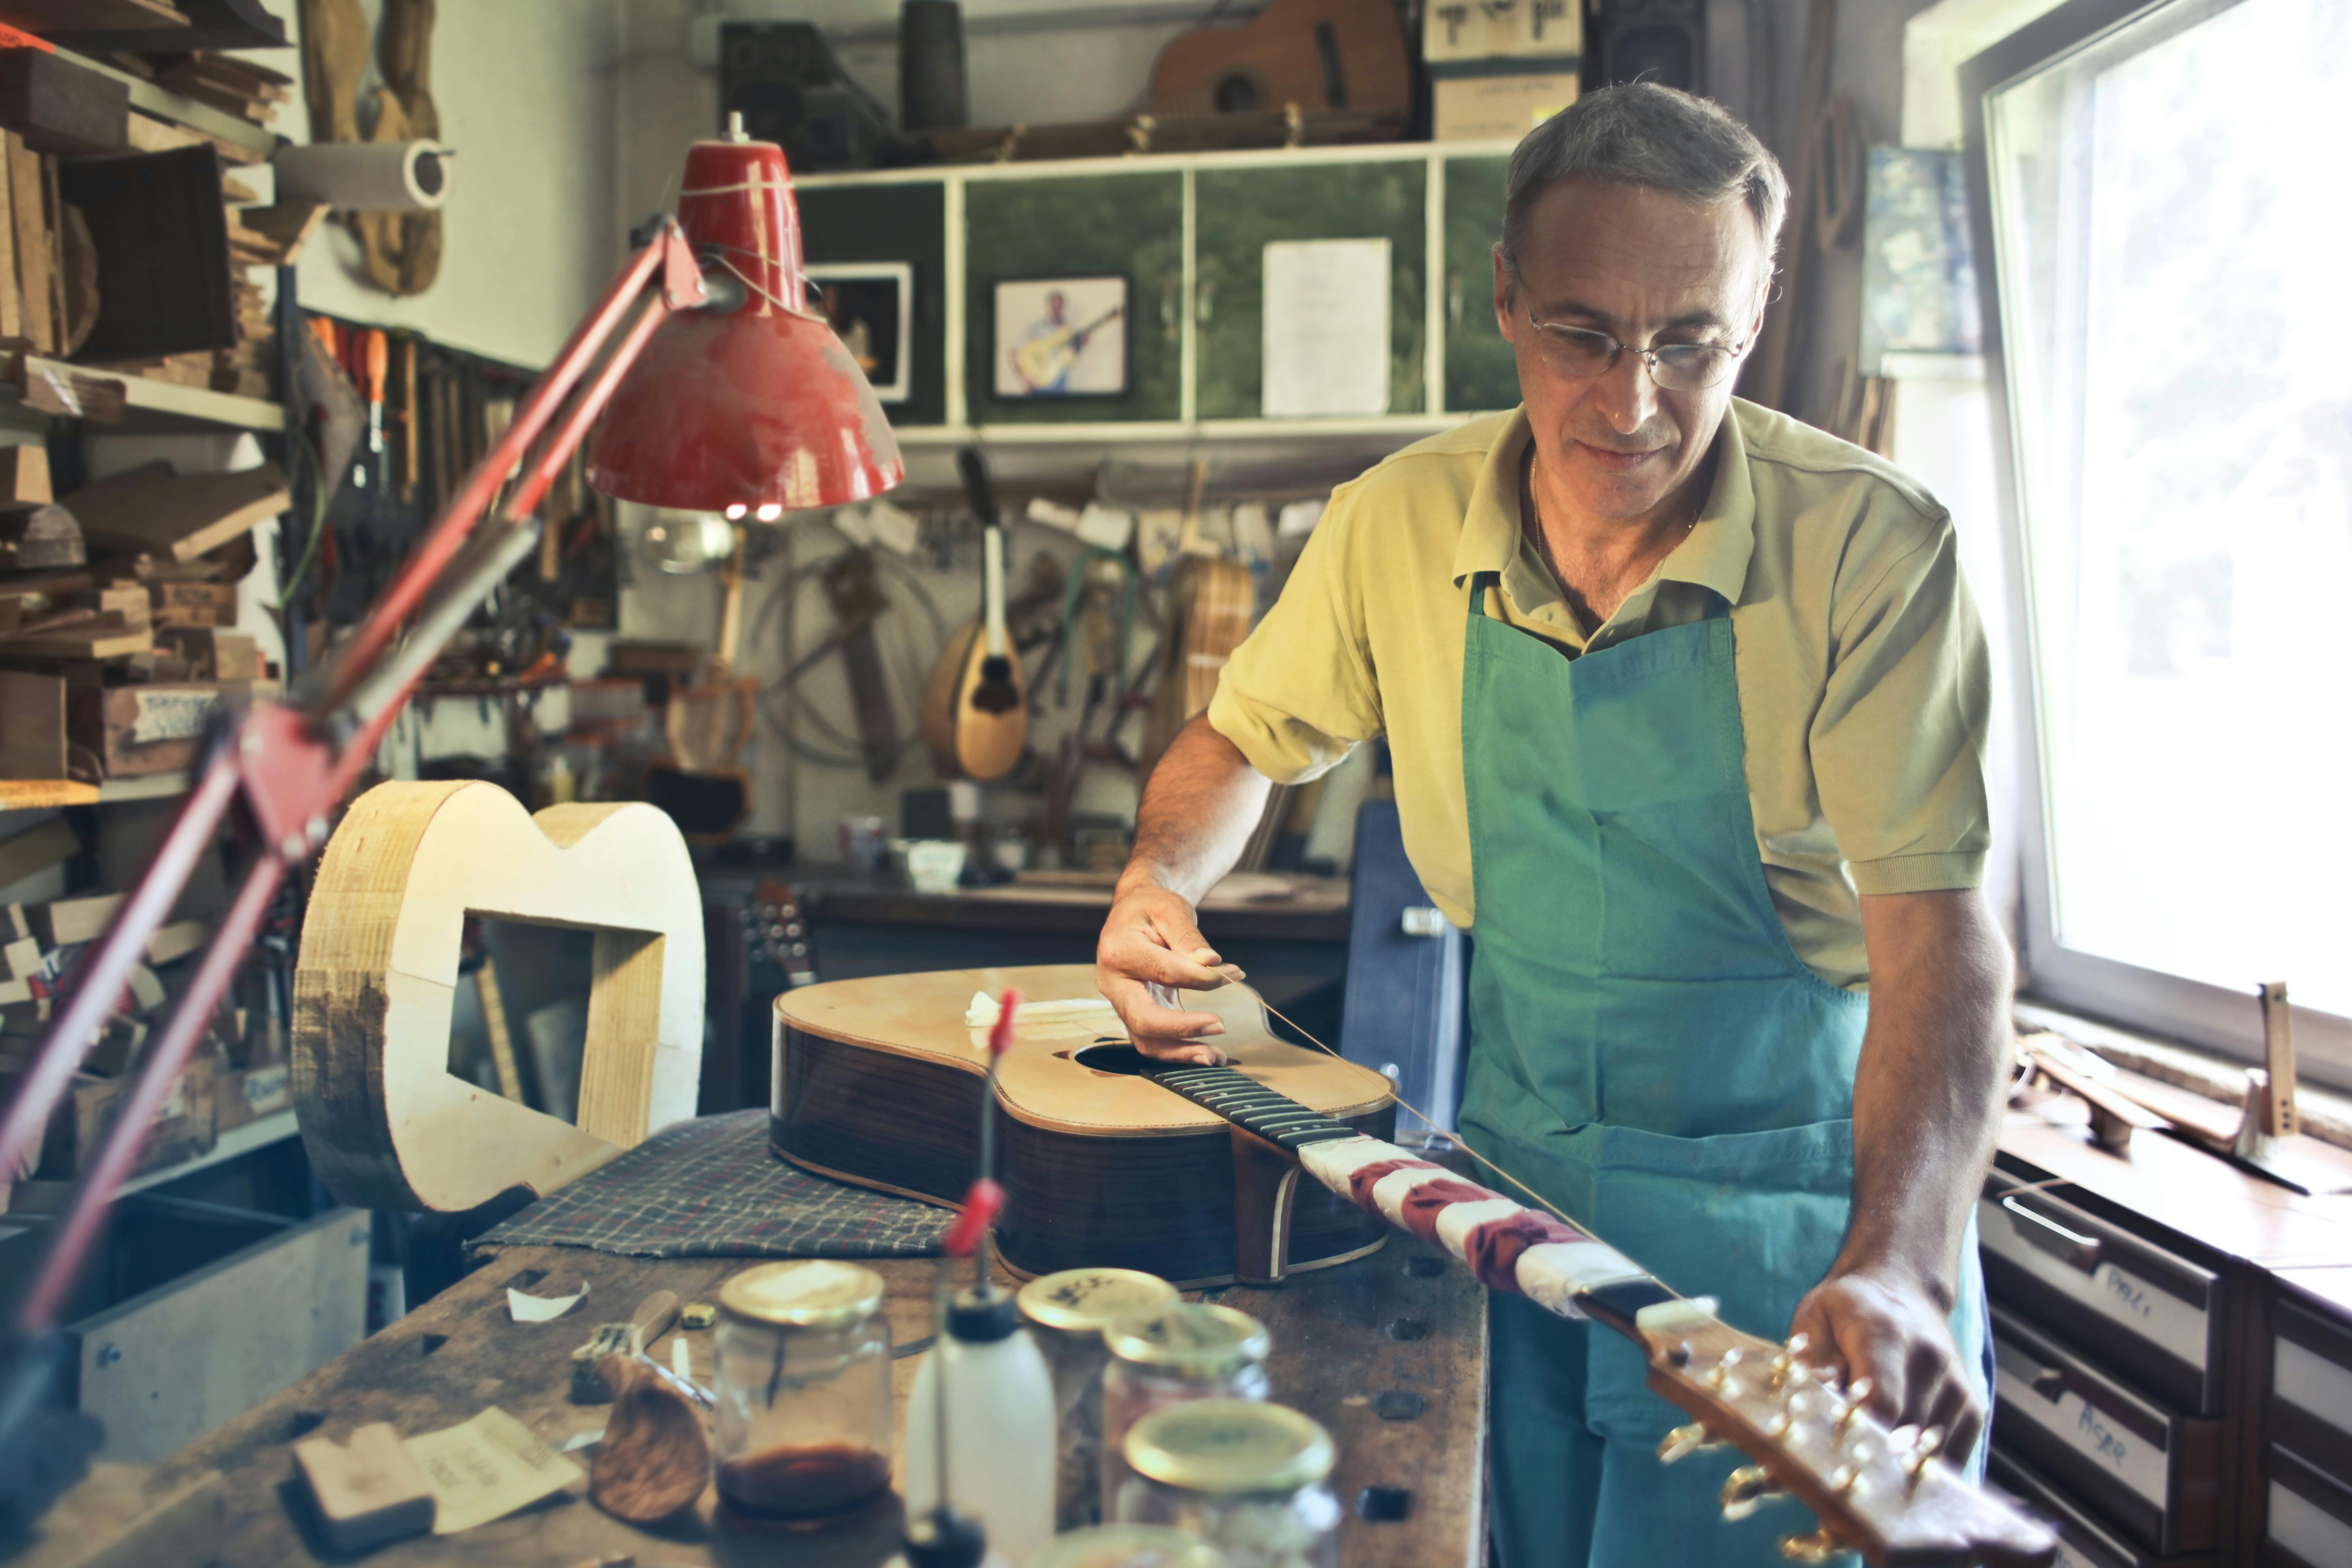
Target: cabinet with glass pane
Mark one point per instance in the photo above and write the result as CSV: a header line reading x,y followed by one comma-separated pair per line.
x,y
1242,211
1169,254
1026,339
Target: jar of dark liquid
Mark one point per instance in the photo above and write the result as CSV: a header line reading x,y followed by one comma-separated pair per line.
x,y
803,1378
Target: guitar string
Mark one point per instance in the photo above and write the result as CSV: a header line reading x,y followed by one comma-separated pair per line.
x,y
1427,1120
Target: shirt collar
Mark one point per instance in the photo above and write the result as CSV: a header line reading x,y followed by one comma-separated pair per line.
x,y
1714,555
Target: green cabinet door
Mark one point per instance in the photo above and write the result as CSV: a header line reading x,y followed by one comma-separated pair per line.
x,y
1238,212
1023,231
862,235
1480,375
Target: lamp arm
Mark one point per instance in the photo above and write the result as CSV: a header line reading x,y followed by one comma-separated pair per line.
x,y
290,766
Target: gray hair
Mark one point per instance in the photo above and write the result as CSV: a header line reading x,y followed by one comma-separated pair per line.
x,y
1642,134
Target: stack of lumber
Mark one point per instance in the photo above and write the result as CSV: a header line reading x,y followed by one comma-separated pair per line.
x,y
49,297
117,621
240,87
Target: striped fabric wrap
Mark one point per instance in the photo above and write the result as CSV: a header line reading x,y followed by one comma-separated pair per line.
x,y
1505,1245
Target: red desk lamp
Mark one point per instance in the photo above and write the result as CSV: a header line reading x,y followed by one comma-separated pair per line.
x,y
724,393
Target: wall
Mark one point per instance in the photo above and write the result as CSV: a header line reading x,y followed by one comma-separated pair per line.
x,y
525,90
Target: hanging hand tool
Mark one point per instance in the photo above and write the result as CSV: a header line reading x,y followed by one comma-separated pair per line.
x,y
378,350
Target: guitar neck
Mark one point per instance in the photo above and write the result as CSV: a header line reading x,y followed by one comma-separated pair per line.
x,y
1586,1273
991,588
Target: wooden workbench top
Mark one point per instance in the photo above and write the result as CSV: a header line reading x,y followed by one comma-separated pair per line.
x,y
1389,1352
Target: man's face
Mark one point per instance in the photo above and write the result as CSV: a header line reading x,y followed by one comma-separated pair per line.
x,y
1055,306
1647,269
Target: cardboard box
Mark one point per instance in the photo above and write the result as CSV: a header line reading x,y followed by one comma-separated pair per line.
x,y
1454,31
151,729
1496,107
184,1126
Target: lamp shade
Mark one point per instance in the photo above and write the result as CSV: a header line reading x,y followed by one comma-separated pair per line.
x,y
758,409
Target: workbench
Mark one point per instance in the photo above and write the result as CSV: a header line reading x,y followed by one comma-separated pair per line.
x,y
1389,1352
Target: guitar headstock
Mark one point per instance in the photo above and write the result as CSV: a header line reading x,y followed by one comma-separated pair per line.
x,y
1891,1495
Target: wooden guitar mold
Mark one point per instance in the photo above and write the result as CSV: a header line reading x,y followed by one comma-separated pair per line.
x,y
386,1124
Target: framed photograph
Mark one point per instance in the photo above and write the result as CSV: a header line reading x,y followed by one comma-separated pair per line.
x,y
1061,337
871,305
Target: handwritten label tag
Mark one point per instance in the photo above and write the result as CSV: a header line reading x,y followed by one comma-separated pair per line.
x,y
268,1088
2089,1431
169,714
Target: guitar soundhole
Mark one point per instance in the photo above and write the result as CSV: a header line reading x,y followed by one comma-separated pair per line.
x,y
1239,91
1116,1056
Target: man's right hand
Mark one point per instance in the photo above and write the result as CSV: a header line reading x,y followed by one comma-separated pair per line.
x,y
1150,948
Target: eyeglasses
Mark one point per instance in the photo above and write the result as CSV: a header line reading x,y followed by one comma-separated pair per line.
x,y
1582,351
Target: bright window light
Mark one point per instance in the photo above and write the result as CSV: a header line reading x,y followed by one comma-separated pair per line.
x,y
2171,233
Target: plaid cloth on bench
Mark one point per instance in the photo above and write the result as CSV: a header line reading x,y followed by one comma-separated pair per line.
x,y
710,1188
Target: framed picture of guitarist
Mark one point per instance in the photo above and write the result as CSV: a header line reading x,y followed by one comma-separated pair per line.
x,y
1061,337
871,305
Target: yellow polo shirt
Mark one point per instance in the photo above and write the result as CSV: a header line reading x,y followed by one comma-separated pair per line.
x,y
1863,680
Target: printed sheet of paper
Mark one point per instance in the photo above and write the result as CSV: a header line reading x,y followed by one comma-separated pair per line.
x,y
488,1467
1327,328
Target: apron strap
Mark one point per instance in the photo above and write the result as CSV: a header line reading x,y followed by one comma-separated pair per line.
x,y
1480,582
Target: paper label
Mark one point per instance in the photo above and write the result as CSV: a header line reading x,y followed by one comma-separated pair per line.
x,y
164,713
265,1088
485,1468
2093,1433
1325,328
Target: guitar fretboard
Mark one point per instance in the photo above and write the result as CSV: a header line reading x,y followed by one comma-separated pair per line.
x,y
1250,1105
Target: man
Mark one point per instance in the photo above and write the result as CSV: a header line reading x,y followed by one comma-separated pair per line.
x,y
1687,704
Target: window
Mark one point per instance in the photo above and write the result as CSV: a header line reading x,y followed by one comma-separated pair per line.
x,y
2168,231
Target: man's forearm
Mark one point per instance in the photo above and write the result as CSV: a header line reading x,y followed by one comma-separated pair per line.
x,y
1199,808
1927,1095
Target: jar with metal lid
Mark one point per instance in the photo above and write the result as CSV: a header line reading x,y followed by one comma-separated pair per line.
x,y
1127,1546
1246,1478
803,1375
1185,1351
1068,1313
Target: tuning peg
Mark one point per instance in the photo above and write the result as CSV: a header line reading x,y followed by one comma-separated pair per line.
x,y
1857,1400
1721,1371
1746,1488
1685,1441
1786,1364
1817,1547
1923,1452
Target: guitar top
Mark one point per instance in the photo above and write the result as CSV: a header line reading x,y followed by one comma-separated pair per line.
x,y
1040,1080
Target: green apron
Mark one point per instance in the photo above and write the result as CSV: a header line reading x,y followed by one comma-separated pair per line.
x,y
1649,1053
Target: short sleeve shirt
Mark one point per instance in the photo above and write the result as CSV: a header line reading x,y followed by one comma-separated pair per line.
x,y
1864,685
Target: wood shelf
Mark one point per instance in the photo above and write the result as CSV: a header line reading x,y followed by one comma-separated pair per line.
x,y
26,794
162,405
162,103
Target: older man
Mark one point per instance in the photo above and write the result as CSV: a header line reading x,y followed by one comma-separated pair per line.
x,y
1687,704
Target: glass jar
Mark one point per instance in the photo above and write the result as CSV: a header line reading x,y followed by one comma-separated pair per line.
x,y
803,1387
1247,1479
1068,1313
1184,1352
1127,1546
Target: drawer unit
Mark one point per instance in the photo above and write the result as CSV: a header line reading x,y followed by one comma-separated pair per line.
x,y
2153,1472
2311,1390
2310,1516
2083,1540
2148,1313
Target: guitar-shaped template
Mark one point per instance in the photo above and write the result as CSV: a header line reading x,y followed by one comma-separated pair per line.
x,y
1111,1159
1042,361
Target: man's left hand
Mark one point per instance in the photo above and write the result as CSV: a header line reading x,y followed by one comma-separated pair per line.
x,y
1891,1329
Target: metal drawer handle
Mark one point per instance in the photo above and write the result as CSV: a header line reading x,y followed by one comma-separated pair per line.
x,y
2081,1251
2050,1384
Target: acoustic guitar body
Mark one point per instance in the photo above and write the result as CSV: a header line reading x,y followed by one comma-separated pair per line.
x,y
880,1082
1317,54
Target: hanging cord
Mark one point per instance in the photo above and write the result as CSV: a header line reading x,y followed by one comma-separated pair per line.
x,y
293,584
